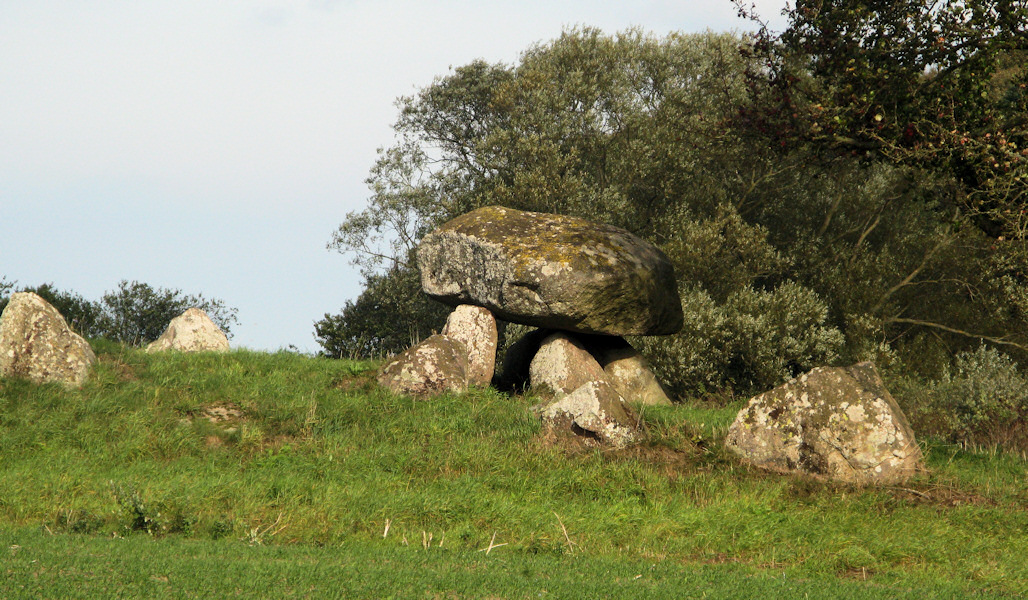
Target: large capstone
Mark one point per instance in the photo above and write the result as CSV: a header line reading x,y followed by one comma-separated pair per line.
x,y
836,422
192,331
37,344
551,271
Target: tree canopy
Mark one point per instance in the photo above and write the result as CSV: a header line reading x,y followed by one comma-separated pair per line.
x,y
940,86
803,229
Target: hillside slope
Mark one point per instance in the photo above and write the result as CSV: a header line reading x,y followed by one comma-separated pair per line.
x,y
283,449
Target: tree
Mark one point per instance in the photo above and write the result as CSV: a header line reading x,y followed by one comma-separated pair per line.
x,y
136,313
628,129
788,255
84,317
931,99
937,86
5,290
390,315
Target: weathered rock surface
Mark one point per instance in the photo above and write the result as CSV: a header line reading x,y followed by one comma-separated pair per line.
x,y
551,271
36,343
563,365
475,327
192,331
840,423
436,365
594,410
627,370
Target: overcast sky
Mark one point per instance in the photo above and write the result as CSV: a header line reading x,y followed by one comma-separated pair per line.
x,y
214,145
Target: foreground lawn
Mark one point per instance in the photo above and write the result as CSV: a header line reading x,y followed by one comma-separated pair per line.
x,y
40,565
214,475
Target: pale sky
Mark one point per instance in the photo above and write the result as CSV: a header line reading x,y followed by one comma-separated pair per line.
x,y
214,146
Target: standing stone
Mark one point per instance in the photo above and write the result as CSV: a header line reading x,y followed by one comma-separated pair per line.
x,y
551,271
562,365
839,423
585,401
37,344
595,410
475,327
436,365
192,331
627,370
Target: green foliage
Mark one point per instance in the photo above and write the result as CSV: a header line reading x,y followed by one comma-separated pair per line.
x,y
390,315
762,174
136,313
751,342
5,289
84,317
604,127
985,400
935,86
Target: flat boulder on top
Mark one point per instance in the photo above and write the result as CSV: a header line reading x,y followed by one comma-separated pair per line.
x,y
836,422
436,365
37,344
192,331
551,271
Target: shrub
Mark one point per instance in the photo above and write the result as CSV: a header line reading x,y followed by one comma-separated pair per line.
x,y
135,313
754,341
390,315
985,399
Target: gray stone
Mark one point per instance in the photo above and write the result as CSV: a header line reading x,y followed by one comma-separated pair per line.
x,y
475,327
436,365
627,370
551,271
839,423
192,331
594,410
37,344
562,365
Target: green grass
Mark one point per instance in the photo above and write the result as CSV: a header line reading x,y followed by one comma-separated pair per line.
x,y
315,461
39,565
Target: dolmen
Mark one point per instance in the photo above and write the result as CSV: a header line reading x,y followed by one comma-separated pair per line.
x,y
584,285
37,344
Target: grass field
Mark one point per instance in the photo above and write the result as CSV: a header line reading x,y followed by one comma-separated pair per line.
x,y
219,475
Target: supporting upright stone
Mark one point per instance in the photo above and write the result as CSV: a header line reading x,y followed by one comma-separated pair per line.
x,y
475,327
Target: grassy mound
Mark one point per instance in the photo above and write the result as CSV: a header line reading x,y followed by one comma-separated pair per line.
x,y
222,452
